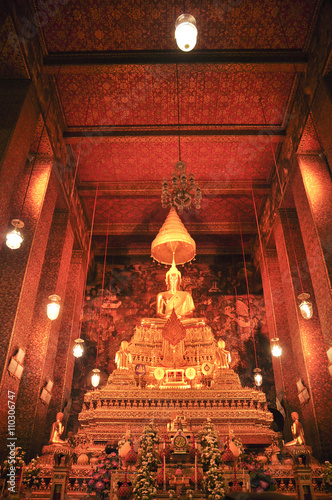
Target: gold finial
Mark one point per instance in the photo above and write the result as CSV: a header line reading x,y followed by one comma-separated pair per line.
x,y
173,270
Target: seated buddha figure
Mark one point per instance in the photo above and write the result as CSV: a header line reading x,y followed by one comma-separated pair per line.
x,y
57,430
181,302
123,357
223,357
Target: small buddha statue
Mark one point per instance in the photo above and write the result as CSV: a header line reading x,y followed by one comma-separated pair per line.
x,y
223,357
123,357
297,431
57,430
182,302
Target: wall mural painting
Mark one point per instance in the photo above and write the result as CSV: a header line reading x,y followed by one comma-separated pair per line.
x,y
219,291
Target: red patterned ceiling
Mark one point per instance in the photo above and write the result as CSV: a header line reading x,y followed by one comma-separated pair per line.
x,y
225,209
101,25
12,63
133,106
153,158
309,141
147,95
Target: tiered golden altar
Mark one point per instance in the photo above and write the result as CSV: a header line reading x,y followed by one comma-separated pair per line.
x,y
159,381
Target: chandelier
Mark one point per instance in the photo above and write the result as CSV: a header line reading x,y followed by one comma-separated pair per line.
x,y
183,191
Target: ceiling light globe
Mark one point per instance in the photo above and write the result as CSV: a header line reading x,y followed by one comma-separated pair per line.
x,y
78,348
95,379
14,238
185,32
53,307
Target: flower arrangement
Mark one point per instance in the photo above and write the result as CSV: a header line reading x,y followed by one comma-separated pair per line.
x,y
235,440
260,481
19,459
144,488
189,494
100,475
127,438
211,459
166,452
31,475
193,451
161,477
327,476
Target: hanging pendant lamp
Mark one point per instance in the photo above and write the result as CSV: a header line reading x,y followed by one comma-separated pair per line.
x,y
53,307
78,348
258,377
305,305
14,238
95,379
276,349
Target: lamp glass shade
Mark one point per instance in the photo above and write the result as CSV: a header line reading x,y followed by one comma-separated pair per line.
x,y
185,32
53,307
306,309
95,379
14,239
78,348
276,349
258,377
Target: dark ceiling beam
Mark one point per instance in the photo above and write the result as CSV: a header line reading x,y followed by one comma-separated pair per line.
x,y
146,251
152,189
85,61
194,229
239,131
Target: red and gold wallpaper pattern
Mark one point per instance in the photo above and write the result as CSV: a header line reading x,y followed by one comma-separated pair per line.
x,y
100,25
153,158
218,288
148,95
144,210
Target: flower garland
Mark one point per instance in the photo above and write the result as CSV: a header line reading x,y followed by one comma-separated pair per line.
x,y
211,459
100,475
19,459
31,475
327,476
236,440
260,481
144,488
126,438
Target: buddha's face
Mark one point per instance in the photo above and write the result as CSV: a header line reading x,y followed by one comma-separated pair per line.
x,y
173,281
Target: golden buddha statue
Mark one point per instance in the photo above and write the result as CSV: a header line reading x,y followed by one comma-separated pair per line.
x,y
123,357
223,357
297,431
180,301
57,430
